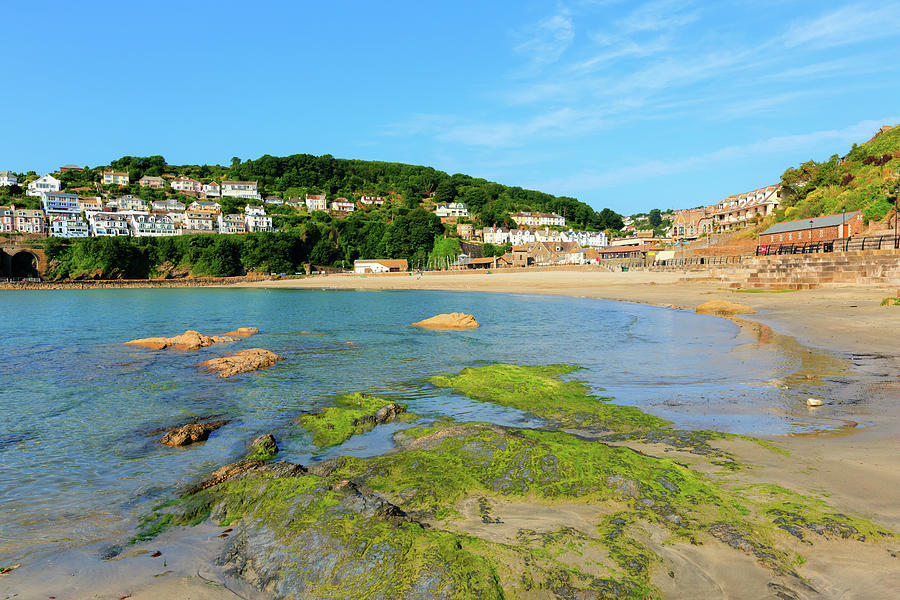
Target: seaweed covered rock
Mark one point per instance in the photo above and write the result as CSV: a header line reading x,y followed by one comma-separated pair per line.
x,y
352,414
263,447
724,308
241,361
189,340
455,320
191,433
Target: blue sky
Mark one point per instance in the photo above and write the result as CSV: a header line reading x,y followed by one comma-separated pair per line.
x,y
630,105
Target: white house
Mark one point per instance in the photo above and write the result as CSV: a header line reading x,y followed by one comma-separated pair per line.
x,y
256,219
342,205
212,189
129,202
241,189
379,266
46,183
536,219
495,235
205,205
151,181
167,205
153,226
186,184
452,209
368,200
68,225
90,203
108,224
316,202
232,224
8,178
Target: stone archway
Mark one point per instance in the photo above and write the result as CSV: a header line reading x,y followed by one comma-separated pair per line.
x,y
24,264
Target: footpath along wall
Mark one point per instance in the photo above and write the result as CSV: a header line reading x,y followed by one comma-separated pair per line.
x,y
799,271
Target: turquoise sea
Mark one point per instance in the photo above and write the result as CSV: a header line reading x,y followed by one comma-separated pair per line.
x,y
77,468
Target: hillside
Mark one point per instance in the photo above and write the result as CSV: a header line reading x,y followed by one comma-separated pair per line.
x,y
866,179
408,185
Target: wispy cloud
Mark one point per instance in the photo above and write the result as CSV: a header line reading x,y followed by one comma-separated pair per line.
x,y
846,25
547,40
593,180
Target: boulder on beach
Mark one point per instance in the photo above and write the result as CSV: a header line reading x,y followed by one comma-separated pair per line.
x,y
241,361
724,308
243,331
455,320
184,435
189,340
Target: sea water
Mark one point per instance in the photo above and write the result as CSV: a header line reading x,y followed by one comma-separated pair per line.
x,y
78,468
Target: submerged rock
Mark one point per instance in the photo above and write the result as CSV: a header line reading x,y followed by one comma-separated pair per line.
x,y
724,308
184,435
189,340
455,320
353,414
813,402
243,331
241,361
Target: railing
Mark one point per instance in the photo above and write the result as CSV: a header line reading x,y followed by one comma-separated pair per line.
x,y
868,242
700,260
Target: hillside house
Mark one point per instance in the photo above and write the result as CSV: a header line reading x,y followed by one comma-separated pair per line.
x,y
737,211
208,205
316,202
212,190
115,178
362,266
167,205
45,183
200,220
550,253
241,189
68,225
149,181
257,222
232,224
8,178
153,226
108,224
186,185
128,202
90,203
451,209
536,219
273,200
370,200
7,219
342,205
60,202
465,230
27,220
819,229
67,168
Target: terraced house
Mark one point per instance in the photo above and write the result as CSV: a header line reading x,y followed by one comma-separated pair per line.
x,y
241,189
108,224
68,225
153,226
232,224
27,220
7,221
737,211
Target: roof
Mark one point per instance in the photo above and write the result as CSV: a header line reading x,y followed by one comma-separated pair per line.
x,y
617,249
814,223
483,261
384,262
229,182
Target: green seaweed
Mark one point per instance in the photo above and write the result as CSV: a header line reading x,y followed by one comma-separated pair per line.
x,y
537,390
352,414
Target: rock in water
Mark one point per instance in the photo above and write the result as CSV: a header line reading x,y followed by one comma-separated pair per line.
x,y
455,320
243,331
241,361
263,447
191,433
189,340
813,402
724,308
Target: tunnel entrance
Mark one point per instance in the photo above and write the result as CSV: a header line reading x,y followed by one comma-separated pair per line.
x,y
23,264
